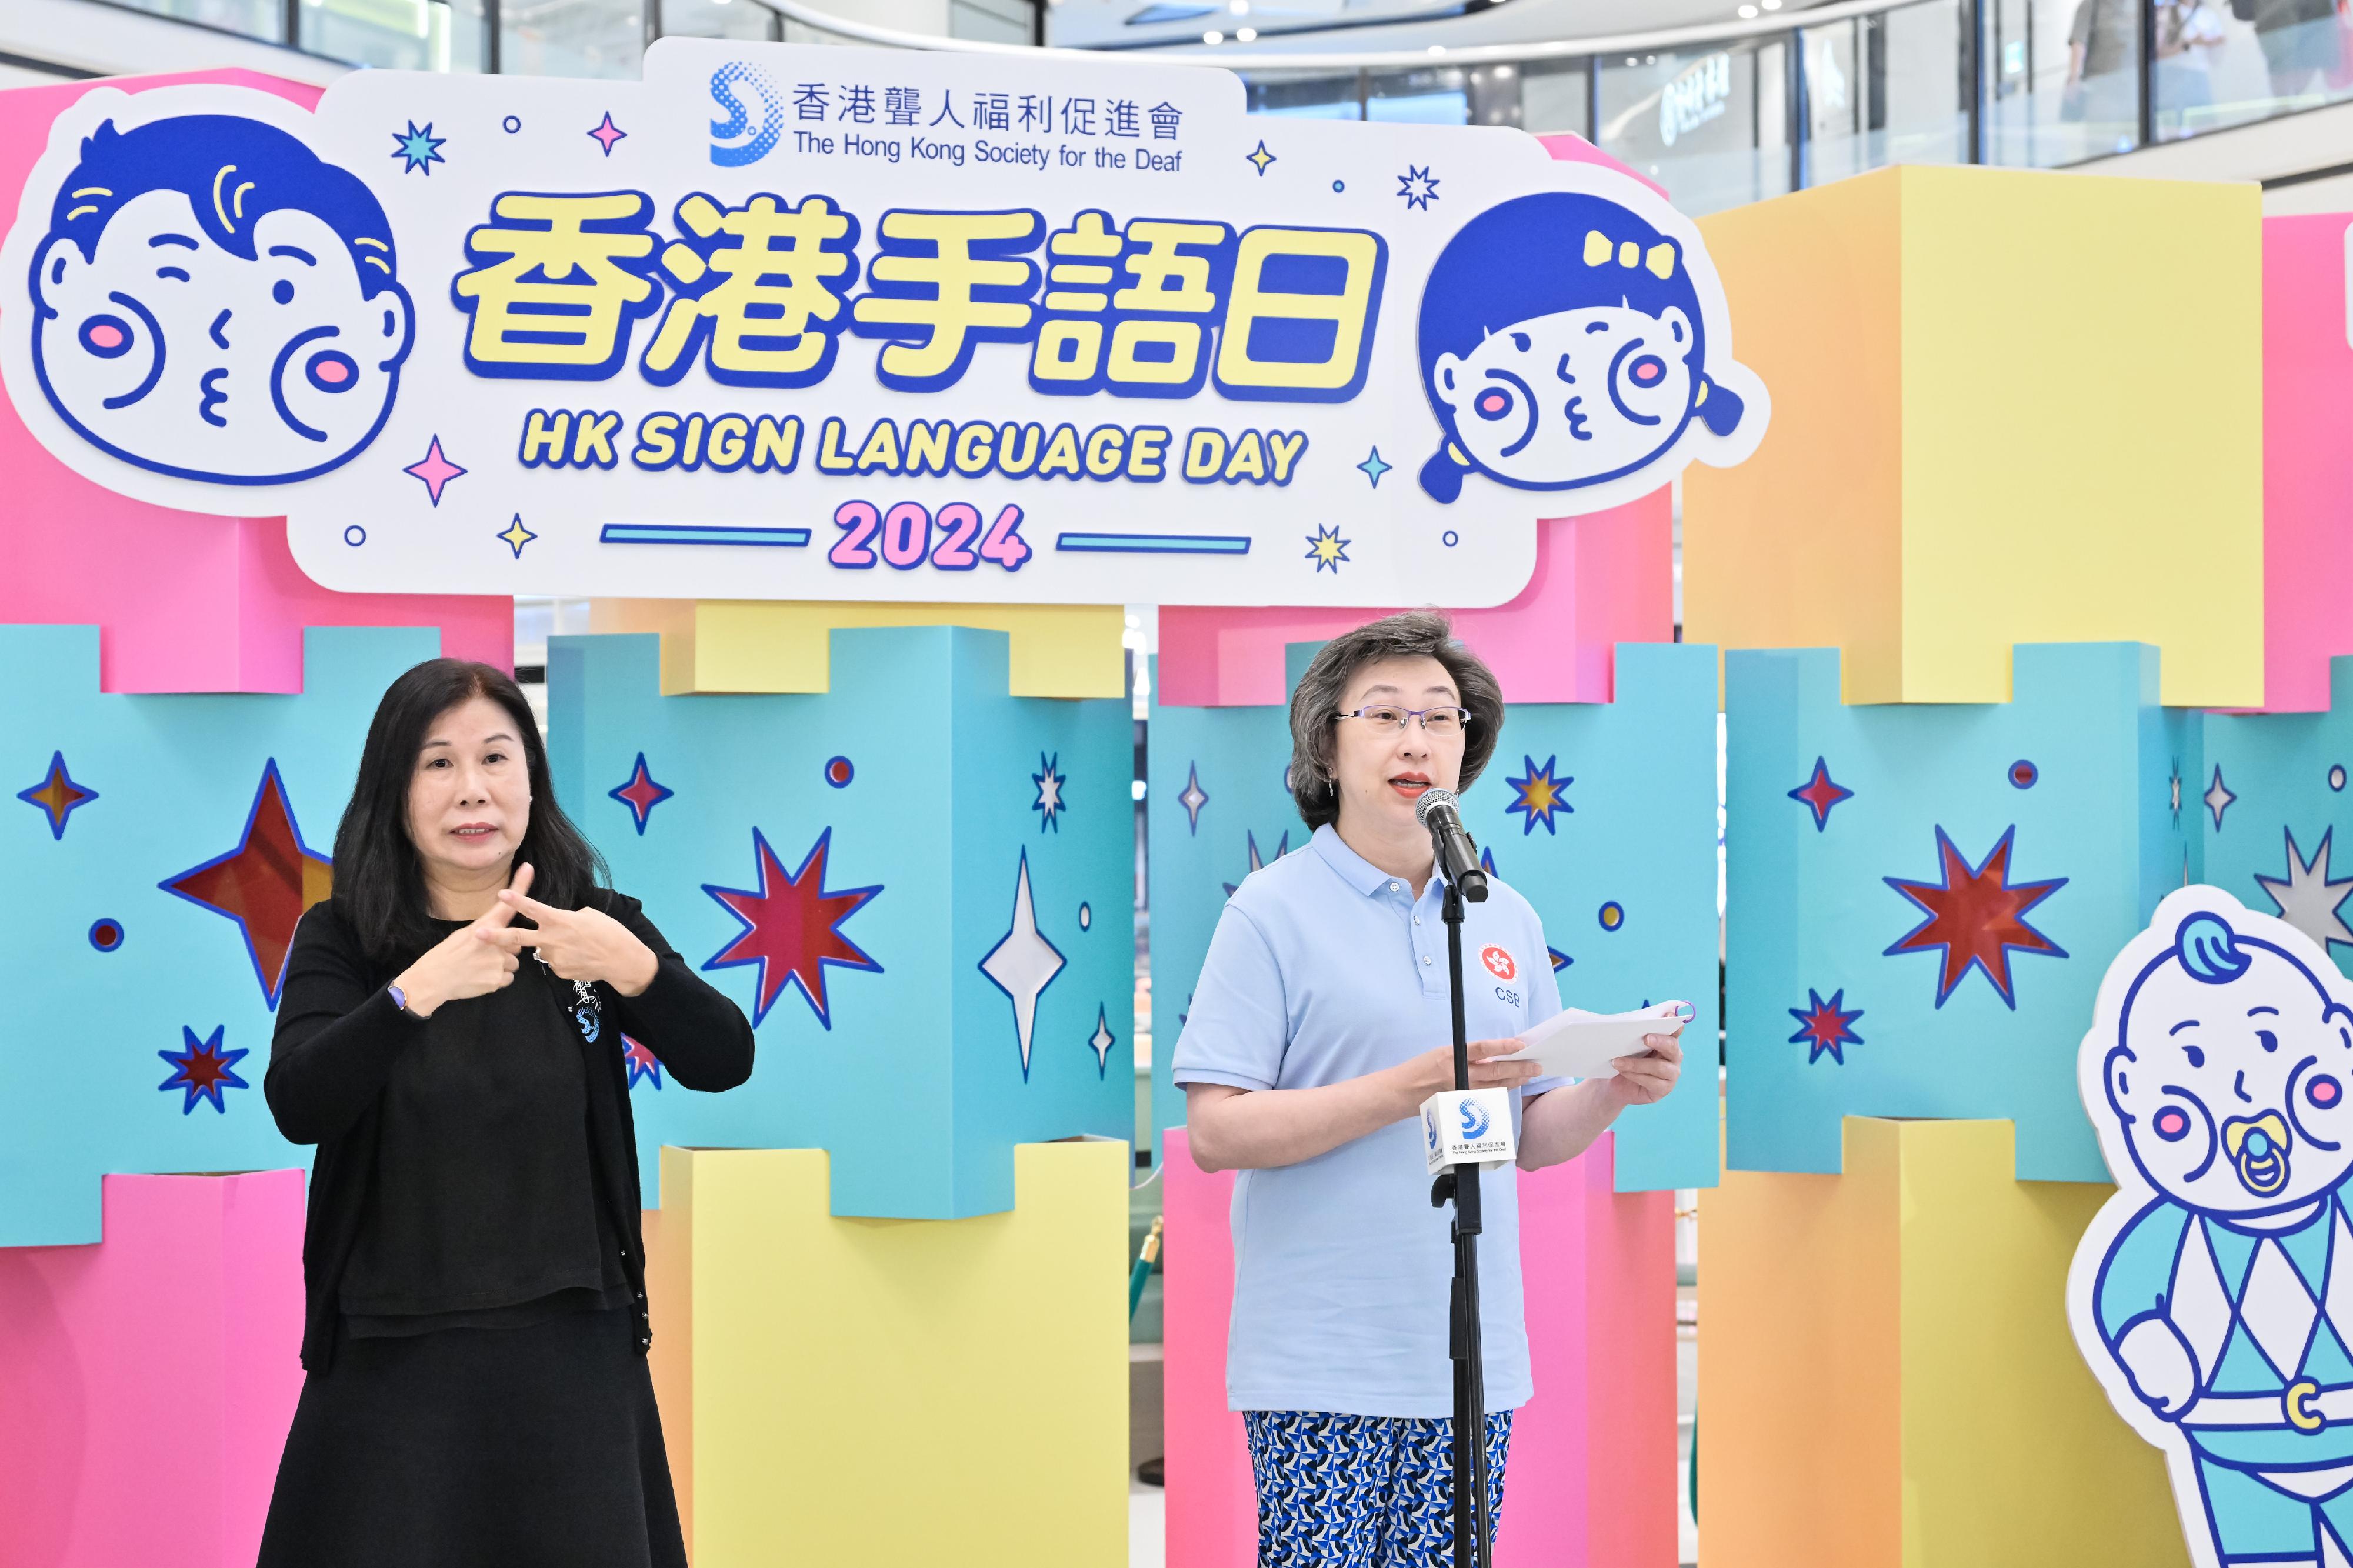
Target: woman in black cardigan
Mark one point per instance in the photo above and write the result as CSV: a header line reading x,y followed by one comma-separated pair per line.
x,y
475,1328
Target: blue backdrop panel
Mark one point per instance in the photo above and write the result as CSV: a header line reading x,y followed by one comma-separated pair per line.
x,y
920,885
1602,816
157,852
1921,899
2271,797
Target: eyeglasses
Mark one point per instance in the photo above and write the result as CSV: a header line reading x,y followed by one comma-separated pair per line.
x,y
1442,723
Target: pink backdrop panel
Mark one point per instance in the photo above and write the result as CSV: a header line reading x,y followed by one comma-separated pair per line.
x,y
2307,461
1599,581
1592,1474
149,1380
1592,1478
1567,147
1211,1503
186,602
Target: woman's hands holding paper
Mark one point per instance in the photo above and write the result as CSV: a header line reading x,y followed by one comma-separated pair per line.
x,y
1645,1079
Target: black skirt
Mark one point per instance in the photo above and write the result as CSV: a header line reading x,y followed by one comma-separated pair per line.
x,y
521,1448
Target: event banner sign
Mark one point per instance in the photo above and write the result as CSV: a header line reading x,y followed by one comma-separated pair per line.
x,y
796,322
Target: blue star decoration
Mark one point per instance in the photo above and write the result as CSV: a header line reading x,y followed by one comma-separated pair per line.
x,y
1818,794
1192,797
201,1069
640,793
418,149
1256,862
1977,915
1260,158
1824,1026
1538,795
1417,187
1326,548
57,795
1049,804
1372,467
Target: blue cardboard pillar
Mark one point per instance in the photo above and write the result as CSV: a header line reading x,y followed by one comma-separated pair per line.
x,y
156,853
1921,899
919,886
1601,814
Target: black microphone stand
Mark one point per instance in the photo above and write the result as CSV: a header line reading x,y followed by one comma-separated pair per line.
x,y
1459,1183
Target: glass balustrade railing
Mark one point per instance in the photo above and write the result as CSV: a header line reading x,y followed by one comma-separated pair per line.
x,y
2022,83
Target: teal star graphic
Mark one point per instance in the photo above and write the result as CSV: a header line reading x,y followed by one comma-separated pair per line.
x,y
421,149
1372,467
1326,548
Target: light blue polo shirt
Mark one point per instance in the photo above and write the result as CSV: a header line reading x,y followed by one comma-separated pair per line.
x,y
1325,968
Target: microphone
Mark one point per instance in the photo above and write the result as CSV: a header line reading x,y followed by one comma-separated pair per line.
x,y
1441,813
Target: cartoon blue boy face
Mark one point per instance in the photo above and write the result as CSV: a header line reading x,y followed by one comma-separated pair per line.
x,y
1571,396
261,360
2232,1091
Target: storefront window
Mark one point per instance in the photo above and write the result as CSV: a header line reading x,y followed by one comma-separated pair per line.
x,y
2064,81
1694,122
396,35
1890,88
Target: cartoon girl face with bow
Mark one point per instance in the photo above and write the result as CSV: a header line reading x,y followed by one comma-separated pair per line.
x,y
1563,345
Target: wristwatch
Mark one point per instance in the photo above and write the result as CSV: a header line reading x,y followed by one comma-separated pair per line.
x,y
399,997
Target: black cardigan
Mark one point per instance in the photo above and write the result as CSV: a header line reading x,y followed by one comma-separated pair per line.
x,y
325,1082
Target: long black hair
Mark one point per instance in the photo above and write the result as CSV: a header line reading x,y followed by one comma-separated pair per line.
x,y
379,882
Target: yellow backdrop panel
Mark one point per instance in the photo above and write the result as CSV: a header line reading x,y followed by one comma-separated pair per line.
x,y
2008,407
896,1394
1888,1376
730,645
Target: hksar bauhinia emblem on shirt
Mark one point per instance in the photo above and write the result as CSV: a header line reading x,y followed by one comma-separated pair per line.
x,y
1499,963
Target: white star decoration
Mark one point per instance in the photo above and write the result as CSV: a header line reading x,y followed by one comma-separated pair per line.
x,y
1024,963
1050,780
1193,797
1103,1040
2307,899
2219,798
2176,797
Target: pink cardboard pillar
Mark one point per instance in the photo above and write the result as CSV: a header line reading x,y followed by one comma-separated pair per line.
x,y
2308,459
1212,1504
1592,1478
1592,1474
184,601
1599,581
147,1383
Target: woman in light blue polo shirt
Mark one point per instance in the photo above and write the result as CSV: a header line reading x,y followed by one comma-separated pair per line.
x,y
1320,1023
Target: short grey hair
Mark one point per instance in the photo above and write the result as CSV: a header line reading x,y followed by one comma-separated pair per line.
x,y
1315,704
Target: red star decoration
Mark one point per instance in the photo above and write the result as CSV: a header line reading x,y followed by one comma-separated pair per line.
x,y
1977,915
792,928
642,1063
641,794
201,1069
1824,1026
1818,794
264,884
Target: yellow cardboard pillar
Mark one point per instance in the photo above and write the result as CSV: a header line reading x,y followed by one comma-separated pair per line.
x,y
1887,1376
728,644
893,1394
2008,407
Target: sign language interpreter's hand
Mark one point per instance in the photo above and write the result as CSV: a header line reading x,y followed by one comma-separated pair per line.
x,y
577,945
463,963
